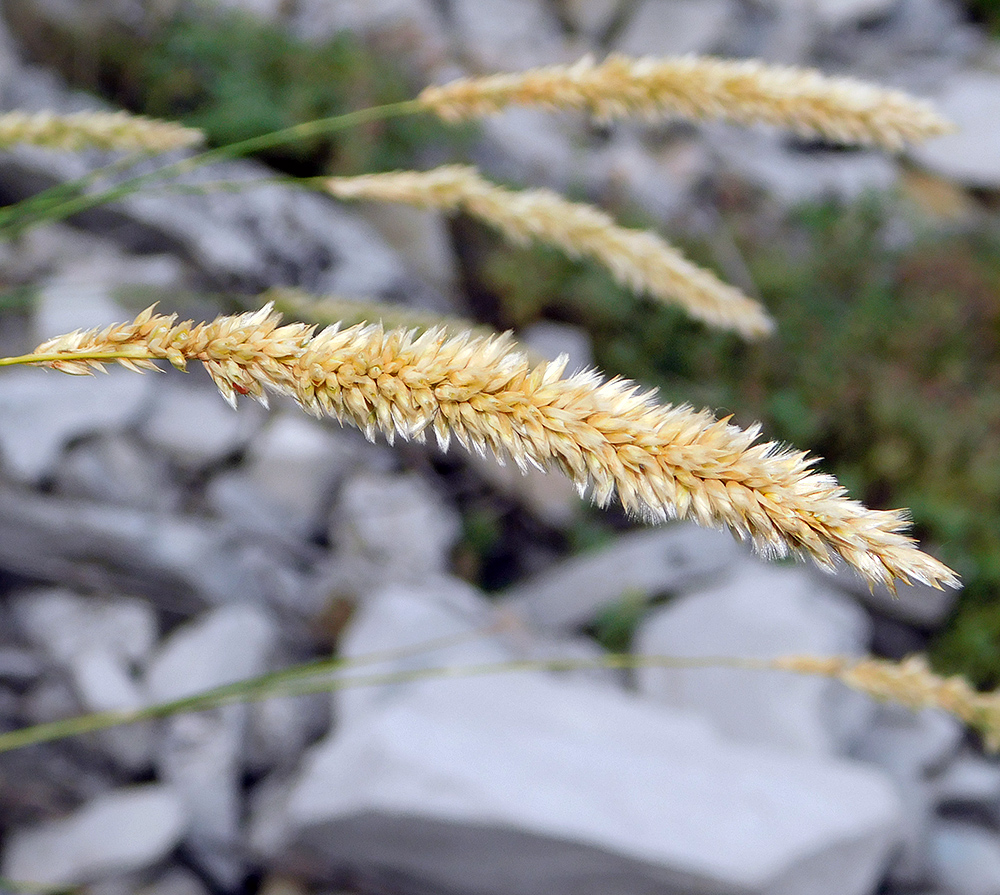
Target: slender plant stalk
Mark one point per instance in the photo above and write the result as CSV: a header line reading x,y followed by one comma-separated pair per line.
x,y
909,683
287,681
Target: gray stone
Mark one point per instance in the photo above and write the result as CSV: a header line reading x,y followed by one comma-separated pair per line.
x,y
436,623
657,561
201,754
19,666
507,36
114,468
791,176
675,27
551,339
532,147
914,743
220,647
104,683
585,765
66,624
80,295
968,780
398,526
760,612
965,860
971,155
175,881
916,604
281,727
589,17
288,477
117,833
195,425
179,561
41,411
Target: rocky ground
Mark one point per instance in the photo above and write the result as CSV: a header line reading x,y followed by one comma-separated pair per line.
x,y
154,544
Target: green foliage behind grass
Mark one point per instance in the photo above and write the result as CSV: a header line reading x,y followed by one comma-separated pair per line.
x,y
886,363
236,77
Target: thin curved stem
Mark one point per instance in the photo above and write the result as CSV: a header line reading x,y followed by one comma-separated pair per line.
x,y
315,677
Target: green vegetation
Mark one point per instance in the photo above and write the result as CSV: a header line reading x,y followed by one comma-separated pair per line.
x,y
236,77
886,363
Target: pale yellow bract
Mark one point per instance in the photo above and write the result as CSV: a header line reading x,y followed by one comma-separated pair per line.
x,y
607,435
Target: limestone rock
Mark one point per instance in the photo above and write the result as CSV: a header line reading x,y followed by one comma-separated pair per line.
x,y
122,831
761,611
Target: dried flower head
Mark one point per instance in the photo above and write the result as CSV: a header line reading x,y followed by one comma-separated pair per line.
x,y
606,435
698,88
910,683
638,259
111,131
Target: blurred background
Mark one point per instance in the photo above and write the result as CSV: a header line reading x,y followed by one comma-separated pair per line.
x,y
153,543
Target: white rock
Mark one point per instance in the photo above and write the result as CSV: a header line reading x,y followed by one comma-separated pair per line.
x,y
675,27
287,480
760,612
67,625
115,469
552,339
398,524
507,36
835,13
80,296
439,622
965,860
531,146
117,833
220,647
195,425
916,604
598,768
971,155
104,683
420,236
969,779
590,17
651,562
414,24
792,177
200,757
176,881
40,413
914,743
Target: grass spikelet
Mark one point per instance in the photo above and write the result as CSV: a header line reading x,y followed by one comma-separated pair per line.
x,y
700,88
640,260
111,131
910,683
606,435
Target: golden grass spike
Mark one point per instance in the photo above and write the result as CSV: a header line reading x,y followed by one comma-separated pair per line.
x,y
701,88
95,130
607,435
910,683
637,259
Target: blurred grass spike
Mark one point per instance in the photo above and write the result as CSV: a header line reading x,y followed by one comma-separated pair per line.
x,y
111,131
638,259
701,88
